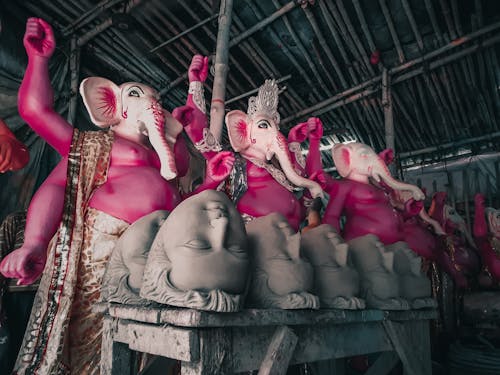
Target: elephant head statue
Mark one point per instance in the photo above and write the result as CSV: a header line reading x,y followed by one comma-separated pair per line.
x,y
257,137
358,162
122,280
336,281
199,256
133,108
281,277
379,281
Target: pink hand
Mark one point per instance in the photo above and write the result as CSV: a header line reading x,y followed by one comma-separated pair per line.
x,y
219,167
198,70
5,153
183,114
387,155
39,38
298,133
315,128
478,199
320,178
24,264
413,207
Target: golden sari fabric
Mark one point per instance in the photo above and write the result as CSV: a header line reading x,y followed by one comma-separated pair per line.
x,y
70,281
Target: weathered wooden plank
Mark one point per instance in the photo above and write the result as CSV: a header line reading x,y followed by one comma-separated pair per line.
x,y
116,357
317,342
411,341
215,355
383,364
167,341
279,352
255,317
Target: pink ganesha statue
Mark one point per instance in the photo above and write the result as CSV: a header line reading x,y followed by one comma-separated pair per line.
x,y
458,246
264,178
105,181
487,237
367,209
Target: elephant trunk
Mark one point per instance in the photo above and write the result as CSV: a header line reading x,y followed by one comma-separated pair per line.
x,y
281,152
380,171
156,133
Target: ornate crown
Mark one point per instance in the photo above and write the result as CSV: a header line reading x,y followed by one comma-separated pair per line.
x,y
266,102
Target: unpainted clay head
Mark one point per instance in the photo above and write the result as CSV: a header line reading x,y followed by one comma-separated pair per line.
x,y
123,278
413,283
493,220
281,278
379,282
199,257
336,281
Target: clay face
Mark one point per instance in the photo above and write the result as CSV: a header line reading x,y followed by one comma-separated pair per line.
x,y
336,282
379,282
200,247
281,277
493,217
123,278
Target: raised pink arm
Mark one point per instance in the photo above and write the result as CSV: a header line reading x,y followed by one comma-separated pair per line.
x,y
13,154
480,225
315,132
193,115
36,97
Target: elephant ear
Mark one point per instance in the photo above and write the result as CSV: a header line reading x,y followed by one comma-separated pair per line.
x,y
238,130
102,100
342,158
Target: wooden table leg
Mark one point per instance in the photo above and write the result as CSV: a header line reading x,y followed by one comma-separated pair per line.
x,y
411,341
215,353
116,357
279,352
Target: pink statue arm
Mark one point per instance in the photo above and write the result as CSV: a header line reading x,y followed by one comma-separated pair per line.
x,y
315,132
44,216
13,154
192,116
218,169
338,195
480,225
36,97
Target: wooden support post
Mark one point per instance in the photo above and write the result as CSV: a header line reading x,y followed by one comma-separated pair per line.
x,y
388,114
214,354
279,352
221,57
116,357
411,341
466,187
74,67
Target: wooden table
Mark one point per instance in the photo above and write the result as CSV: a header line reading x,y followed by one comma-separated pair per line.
x,y
209,343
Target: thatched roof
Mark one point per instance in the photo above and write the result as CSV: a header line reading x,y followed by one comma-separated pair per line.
x,y
441,57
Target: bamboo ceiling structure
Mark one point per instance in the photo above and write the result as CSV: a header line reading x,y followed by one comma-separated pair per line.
x,y
434,90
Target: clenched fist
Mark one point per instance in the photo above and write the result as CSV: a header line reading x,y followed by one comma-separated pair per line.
x,y
39,38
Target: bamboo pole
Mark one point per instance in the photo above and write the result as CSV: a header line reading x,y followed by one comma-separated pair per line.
x,y
74,66
84,39
448,145
181,34
449,22
388,114
221,68
89,16
392,30
364,25
359,49
413,24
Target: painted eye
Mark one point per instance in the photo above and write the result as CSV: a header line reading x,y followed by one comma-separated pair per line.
x,y
134,93
263,125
